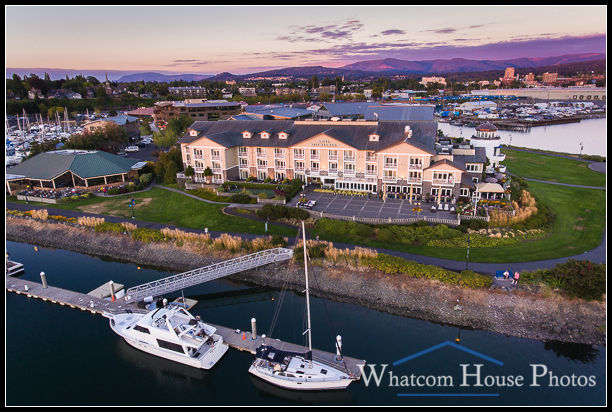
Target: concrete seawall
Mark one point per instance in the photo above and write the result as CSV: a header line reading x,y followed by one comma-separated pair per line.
x,y
519,314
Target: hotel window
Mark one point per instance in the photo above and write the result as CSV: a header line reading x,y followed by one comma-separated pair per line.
x,y
242,151
298,153
370,157
244,174
299,165
390,162
314,166
349,167
465,192
349,155
472,167
261,152
244,163
265,135
390,174
333,167
280,165
279,152
371,169
333,155
262,164
216,154
314,154
197,153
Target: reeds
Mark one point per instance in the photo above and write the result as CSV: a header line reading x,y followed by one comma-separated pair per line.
x,y
524,211
90,221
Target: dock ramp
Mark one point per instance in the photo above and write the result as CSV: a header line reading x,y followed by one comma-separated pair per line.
x,y
207,273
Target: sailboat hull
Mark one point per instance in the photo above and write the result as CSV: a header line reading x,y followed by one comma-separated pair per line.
x,y
301,384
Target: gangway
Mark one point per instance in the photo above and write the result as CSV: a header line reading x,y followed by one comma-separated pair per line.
x,y
207,273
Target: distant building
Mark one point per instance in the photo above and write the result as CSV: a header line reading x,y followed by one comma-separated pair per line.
x,y
142,112
199,109
549,78
426,80
509,76
284,91
478,105
189,92
550,93
316,92
529,77
247,91
129,123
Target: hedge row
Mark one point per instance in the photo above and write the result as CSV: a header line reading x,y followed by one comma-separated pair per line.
x,y
396,265
277,212
212,196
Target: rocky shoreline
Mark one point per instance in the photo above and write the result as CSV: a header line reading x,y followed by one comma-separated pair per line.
x,y
520,314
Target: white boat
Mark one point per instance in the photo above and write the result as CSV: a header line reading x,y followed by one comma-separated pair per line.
x,y
293,370
171,332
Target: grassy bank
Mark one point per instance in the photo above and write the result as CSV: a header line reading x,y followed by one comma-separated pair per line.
x,y
578,227
163,206
552,168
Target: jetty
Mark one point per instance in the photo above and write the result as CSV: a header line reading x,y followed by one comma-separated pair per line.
x,y
235,338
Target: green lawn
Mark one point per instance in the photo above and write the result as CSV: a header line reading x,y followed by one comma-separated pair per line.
x,y
552,168
164,206
579,225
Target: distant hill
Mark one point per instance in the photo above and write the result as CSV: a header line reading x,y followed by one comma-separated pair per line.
x,y
457,65
161,78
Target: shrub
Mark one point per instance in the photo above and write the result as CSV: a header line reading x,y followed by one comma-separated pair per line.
x,y
242,198
263,195
144,234
581,278
109,227
145,179
277,212
354,231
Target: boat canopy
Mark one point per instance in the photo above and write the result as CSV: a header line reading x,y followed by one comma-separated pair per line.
x,y
272,354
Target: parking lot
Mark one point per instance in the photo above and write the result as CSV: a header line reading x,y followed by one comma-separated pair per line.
x,y
362,207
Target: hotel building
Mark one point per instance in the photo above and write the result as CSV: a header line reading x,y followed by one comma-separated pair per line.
x,y
365,156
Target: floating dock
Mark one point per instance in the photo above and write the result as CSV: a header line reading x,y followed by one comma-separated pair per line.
x,y
241,340
12,268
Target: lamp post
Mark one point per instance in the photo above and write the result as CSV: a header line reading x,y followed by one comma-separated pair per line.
x,y
467,258
132,205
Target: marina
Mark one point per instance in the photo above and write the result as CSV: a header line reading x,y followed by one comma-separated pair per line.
x,y
373,335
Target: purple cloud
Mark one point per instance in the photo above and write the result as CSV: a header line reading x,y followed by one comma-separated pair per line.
x,y
392,31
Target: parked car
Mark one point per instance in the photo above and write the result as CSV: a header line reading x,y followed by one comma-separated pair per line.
x,y
132,149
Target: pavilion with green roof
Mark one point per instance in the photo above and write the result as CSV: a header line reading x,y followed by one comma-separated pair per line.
x,y
72,168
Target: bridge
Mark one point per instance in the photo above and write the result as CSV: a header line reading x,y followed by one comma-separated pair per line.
x,y
207,273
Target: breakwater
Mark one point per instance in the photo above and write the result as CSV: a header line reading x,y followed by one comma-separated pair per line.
x,y
518,314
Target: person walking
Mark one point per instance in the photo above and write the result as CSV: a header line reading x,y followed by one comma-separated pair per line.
x,y
516,278
506,275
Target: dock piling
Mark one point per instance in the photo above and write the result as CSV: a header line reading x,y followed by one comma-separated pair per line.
x,y
112,290
43,277
338,347
253,329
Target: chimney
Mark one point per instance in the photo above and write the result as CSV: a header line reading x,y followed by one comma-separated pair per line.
x,y
407,132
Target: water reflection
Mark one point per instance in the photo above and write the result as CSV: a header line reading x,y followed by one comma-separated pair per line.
x,y
303,397
573,351
164,371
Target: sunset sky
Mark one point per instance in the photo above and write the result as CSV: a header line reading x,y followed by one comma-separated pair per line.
x,y
245,39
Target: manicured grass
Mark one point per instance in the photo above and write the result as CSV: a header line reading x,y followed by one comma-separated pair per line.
x,y
552,168
578,227
163,206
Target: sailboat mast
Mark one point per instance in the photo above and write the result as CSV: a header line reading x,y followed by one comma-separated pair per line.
x,y
307,296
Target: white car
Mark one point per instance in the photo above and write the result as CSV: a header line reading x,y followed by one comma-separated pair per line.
x,y
132,149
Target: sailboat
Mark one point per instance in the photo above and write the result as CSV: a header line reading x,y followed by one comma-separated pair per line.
x,y
294,370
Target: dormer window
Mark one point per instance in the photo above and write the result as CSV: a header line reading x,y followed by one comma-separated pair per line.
x,y
265,135
282,135
193,132
246,134
374,137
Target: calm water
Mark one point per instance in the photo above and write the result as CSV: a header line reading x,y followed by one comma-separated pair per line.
x,y
60,356
559,137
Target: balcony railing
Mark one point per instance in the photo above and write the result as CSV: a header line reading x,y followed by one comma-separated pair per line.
x,y
443,181
217,181
370,158
279,167
370,172
389,179
333,157
314,170
262,165
333,171
279,155
390,165
349,158
349,171
262,154
298,155
243,154
216,170
315,157
195,156
415,166
216,157
416,180
299,168
198,169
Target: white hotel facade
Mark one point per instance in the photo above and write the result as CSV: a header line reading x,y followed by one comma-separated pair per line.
x,y
365,156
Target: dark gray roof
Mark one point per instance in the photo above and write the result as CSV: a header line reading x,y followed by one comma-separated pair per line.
x,y
466,181
229,133
347,109
85,164
479,156
400,112
447,162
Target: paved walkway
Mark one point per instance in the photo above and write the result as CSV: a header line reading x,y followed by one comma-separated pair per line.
x,y
598,167
597,255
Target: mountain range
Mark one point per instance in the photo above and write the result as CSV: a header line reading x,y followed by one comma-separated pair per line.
x,y
362,69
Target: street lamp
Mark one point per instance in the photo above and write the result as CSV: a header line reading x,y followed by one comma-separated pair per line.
x,y
132,205
467,258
